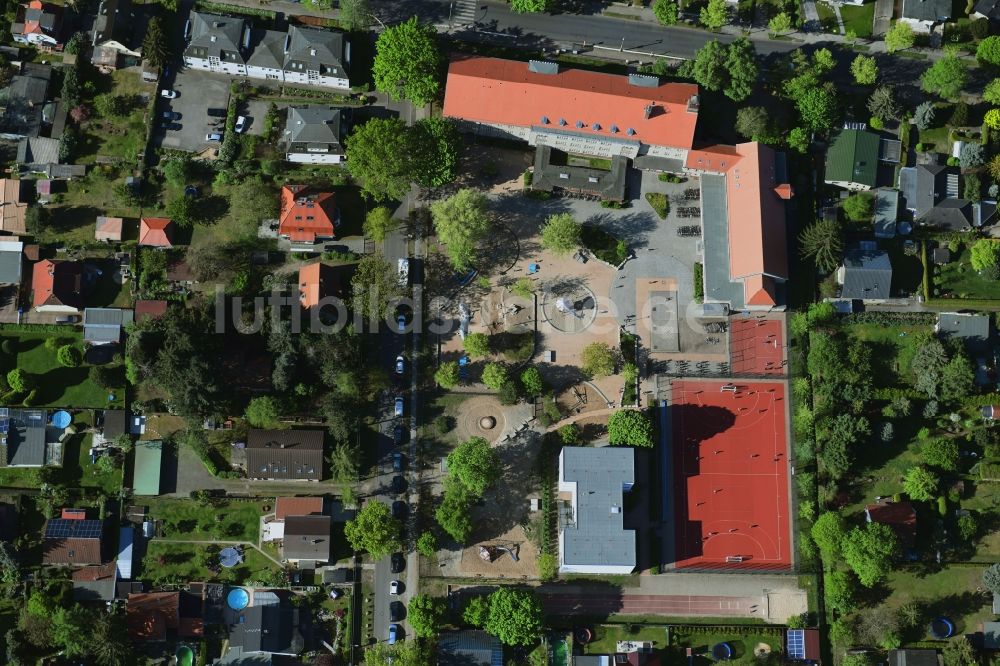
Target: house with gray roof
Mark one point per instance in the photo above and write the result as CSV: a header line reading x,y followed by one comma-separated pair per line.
x,y
317,57
972,329
36,152
469,648
272,628
216,44
987,9
11,261
921,15
931,193
113,36
25,439
23,101
103,326
608,185
267,55
592,535
312,135
306,540
886,212
38,24
865,275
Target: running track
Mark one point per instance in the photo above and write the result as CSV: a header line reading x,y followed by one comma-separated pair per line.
x,y
576,603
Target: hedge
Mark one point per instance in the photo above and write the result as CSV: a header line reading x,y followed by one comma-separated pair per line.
x,y
890,318
699,283
926,277
891,393
982,400
37,328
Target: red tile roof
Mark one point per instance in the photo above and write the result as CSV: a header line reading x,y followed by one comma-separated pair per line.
x,y
95,573
149,309
298,506
156,232
108,228
74,514
316,281
900,516
306,214
506,92
57,283
148,615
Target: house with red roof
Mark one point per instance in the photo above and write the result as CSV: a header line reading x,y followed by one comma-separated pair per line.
x,y
57,286
900,516
317,281
156,232
307,216
572,110
150,615
38,24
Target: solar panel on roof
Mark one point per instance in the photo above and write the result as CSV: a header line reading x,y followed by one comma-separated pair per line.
x,y
61,528
796,643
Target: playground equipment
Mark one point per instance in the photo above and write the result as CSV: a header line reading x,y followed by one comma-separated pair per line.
x,y
491,553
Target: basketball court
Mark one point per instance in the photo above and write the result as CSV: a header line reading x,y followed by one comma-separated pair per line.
x,y
730,458
756,347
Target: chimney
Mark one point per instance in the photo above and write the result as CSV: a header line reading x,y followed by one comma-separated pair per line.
x,y
648,111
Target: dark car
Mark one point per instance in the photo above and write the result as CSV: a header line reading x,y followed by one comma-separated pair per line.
x,y
396,611
398,485
397,462
216,113
173,127
399,509
397,563
397,435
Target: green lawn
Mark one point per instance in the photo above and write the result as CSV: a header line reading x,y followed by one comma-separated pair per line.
x,y
165,561
859,19
58,386
607,635
118,137
742,640
109,292
894,347
957,278
86,198
186,520
79,471
828,18
934,138
951,591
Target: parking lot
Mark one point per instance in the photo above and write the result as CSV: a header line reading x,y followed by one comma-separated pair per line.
x,y
197,92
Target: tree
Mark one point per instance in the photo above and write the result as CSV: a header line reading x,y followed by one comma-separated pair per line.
x,y
992,119
495,375
984,254
828,532
251,201
355,14
598,360
262,412
972,155
630,427
529,6
427,544
378,223
840,589
461,221
154,44
453,513
110,645
818,108
859,207
447,375
185,211
373,529
994,167
714,15
923,115
477,345
988,51
403,653
406,62
80,113
883,104
71,630
957,378
945,77
666,11
378,155
822,241
426,614
865,70
941,453
959,652
475,464
515,616
798,139
436,145
900,36
561,234
709,68
968,529
69,356
991,93
344,466
920,484
869,551
780,23
178,171
741,65
532,382
476,611
823,61
754,122
374,286
991,578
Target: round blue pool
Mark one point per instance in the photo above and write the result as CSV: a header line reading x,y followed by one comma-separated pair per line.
x,y
61,419
238,598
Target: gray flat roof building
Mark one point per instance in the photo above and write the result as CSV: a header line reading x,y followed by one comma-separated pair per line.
x,y
469,648
866,275
608,185
103,326
592,534
307,538
972,329
11,260
886,212
24,438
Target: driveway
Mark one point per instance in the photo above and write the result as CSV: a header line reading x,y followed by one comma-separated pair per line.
x,y
198,92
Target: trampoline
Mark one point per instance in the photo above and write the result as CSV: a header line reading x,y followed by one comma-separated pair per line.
x,y
583,635
61,419
229,557
942,627
722,652
238,598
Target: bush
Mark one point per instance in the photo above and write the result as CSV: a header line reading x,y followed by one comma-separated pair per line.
x,y
507,394
442,424
699,283
660,203
528,178
69,356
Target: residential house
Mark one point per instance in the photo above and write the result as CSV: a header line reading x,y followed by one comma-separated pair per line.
x,y
11,261
469,648
37,153
103,326
991,631
156,232
852,159
72,540
291,455
306,540
13,206
126,539
743,190
146,470
886,212
285,507
606,185
114,40
146,309
25,438
266,57
316,57
639,654
573,110
865,275
179,273
215,44
931,193
972,329
307,216
149,616
271,628
921,15
312,135
986,9
57,286
592,536
912,658
114,423
900,516
25,112
803,645
38,24
95,584
316,282
108,229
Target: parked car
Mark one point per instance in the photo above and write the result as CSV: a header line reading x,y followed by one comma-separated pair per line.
x,y
216,113
397,435
400,364
401,322
68,319
173,127
171,115
169,94
404,271
213,136
394,587
397,563
398,484
397,462
398,406
393,633
399,509
241,124
396,611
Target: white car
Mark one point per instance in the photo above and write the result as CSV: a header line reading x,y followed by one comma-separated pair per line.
x,y
403,267
241,124
401,323
213,136
169,94
398,406
394,587
400,363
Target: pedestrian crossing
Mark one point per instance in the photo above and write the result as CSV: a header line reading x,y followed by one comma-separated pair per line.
x,y
463,12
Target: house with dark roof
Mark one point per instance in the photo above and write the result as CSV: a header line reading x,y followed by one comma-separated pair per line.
x,y
573,110
72,541
114,423
912,658
11,261
986,9
317,57
921,15
306,540
307,216
156,232
103,326
266,54
312,135
865,275
972,329
57,286
886,210
469,648
289,455
26,442
149,616
147,309
852,159
931,193
36,153
215,44
38,24
900,516
26,112
273,628
593,538
607,185
95,584
113,37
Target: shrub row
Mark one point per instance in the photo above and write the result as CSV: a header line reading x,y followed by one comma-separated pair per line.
x,y
890,318
699,283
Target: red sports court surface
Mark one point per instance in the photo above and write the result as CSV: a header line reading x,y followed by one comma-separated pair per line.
x,y
730,461
756,347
